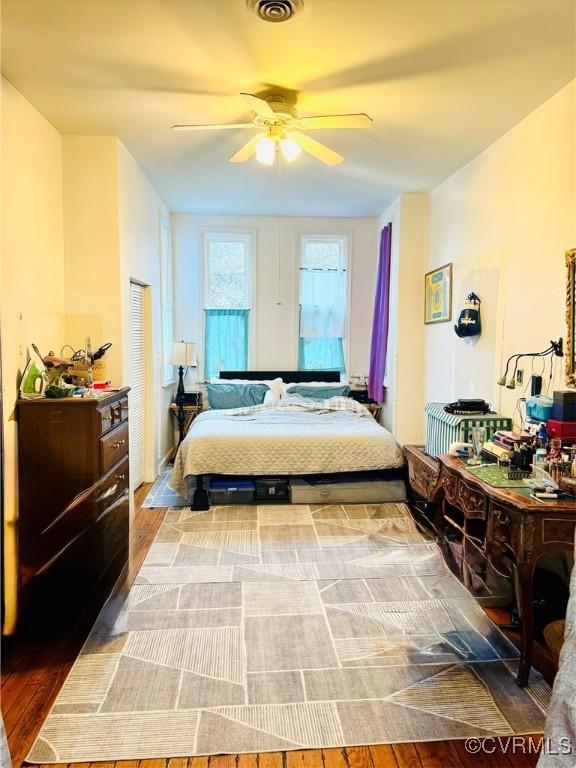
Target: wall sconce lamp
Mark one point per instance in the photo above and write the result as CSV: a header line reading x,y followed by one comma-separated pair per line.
x,y
555,348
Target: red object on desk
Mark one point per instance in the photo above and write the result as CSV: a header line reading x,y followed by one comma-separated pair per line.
x,y
564,430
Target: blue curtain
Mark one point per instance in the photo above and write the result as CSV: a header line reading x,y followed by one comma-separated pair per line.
x,y
321,354
225,341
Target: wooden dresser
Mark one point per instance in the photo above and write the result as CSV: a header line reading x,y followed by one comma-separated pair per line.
x,y
506,525
74,504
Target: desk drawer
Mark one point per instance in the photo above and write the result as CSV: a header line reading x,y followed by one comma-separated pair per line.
x,y
112,415
113,447
472,500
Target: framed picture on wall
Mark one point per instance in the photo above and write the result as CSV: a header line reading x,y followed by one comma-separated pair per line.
x,y
438,295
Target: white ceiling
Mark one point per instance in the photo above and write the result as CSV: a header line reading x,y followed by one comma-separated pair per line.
x,y
442,79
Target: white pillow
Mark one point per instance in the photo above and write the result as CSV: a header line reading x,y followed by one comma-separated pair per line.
x,y
326,384
275,385
270,398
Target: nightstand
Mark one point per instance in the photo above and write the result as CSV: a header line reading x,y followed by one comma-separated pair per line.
x,y
375,409
361,396
189,413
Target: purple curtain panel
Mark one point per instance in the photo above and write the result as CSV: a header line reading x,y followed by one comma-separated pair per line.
x,y
381,318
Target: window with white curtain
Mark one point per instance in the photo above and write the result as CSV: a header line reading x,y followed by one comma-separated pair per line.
x,y
323,302
228,269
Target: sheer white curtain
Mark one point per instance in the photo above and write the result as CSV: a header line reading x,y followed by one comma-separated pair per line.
x,y
323,304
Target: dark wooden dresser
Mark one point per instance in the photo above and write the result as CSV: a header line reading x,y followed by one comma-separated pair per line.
x,y
505,526
73,504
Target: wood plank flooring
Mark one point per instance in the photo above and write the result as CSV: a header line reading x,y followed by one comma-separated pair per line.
x,y
33,673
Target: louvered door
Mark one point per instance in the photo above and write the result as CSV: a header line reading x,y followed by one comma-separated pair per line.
x,y
138,386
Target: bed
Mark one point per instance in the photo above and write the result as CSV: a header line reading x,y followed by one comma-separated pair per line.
x,y
296,436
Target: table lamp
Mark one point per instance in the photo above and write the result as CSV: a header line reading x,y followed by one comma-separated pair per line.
x,y
183,356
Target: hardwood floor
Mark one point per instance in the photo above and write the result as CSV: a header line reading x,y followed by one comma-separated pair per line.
x,y
33,673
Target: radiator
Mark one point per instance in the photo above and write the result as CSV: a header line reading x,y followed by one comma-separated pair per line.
x,y
443,428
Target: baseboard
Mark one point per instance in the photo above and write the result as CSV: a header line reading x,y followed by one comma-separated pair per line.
x,y
164,461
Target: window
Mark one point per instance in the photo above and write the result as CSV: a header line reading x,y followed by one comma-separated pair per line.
x,y
323,302
228,297
168,376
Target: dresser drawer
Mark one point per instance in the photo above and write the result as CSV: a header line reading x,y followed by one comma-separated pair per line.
x,y
85,510
112,485
113,446
112,415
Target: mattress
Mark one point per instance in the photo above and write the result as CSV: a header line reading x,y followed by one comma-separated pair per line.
x,y
296,436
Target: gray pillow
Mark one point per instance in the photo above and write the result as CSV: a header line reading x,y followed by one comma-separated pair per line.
x,y
319,393
235,395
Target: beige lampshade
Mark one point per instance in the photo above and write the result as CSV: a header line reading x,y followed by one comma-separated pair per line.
x,y
184,354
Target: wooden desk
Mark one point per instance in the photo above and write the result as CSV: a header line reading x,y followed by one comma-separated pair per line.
x,y
517,526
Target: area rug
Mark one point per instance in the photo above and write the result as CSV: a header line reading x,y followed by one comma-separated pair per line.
x,y
161,495
266,628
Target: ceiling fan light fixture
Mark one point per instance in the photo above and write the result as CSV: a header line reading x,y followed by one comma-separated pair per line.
x,y
290,149
266,150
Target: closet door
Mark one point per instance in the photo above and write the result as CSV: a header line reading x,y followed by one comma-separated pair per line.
x,y
138,386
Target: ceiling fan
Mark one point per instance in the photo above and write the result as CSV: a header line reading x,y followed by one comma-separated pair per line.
x,y
280,129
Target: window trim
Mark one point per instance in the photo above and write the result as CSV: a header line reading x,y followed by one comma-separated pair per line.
x,y
346,239
230,234
166,298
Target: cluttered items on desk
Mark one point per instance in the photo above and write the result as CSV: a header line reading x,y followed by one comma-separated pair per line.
x,y
536,462
56,376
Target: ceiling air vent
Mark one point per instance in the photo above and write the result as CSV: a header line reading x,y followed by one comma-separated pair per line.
x,y
275,10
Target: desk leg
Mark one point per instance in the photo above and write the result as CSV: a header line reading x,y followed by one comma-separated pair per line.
x,y
525,592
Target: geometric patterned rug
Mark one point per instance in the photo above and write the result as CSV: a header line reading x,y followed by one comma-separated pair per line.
x,y
262,628
162,495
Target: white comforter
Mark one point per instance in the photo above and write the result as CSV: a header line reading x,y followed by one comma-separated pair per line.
x,y
297,436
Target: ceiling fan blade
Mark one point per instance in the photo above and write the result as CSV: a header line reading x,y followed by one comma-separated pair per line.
x,y
246,152
260,106
336,121
315,148
215,127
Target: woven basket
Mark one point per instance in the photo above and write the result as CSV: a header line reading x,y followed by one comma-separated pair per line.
x,y
79,371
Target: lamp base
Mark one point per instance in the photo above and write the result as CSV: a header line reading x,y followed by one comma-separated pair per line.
x,y
179,400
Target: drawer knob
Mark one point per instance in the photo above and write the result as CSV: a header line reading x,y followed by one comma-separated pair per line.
x,y
120,477
118,443
502,517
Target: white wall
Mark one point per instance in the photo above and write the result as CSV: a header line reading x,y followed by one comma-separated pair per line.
x,y
140,211
404,396
276,283
505,221
32,275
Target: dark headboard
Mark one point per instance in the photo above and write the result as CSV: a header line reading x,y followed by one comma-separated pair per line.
x,y
289,377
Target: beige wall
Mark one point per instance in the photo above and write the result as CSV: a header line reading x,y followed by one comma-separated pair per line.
x,y
112,226
276,283
92,246
404,399
80,220
505,221
32,277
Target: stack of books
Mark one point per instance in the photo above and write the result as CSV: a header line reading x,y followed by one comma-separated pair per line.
x,y
503,443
